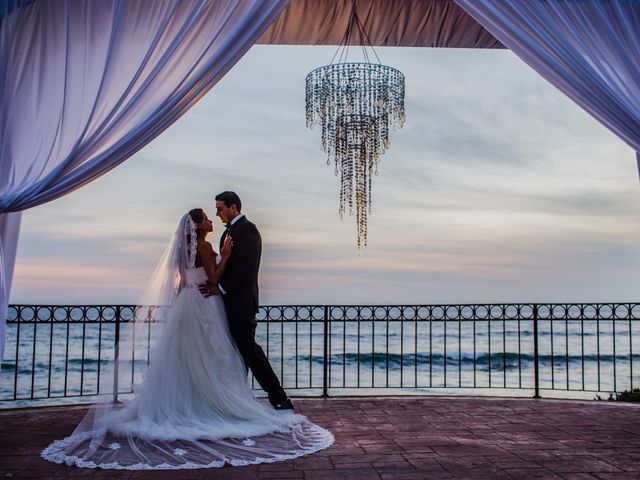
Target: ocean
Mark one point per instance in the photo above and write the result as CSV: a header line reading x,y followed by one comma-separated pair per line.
x,y
576,358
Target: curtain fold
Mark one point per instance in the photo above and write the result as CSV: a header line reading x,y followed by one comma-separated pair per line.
x,y
9,232
588,49
85,85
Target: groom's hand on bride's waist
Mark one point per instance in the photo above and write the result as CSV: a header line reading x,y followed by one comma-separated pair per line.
x,y
207,289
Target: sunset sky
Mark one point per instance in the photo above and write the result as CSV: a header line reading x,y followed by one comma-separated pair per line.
x,y
497,189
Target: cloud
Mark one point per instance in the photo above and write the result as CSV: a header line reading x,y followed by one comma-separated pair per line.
x,y
498,188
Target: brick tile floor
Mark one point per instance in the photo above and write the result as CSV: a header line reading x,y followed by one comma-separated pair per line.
x,y
400,438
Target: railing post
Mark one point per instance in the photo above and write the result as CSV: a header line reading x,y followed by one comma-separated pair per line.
x,y
325,356
116,356
536,359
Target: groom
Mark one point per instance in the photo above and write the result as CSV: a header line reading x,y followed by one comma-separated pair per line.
x,y
239,288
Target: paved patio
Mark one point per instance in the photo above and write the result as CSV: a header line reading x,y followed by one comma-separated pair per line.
x,y
404,438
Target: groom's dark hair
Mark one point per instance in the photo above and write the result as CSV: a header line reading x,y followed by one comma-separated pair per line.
x,y
229,198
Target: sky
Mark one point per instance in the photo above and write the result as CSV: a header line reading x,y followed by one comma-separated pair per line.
x,y
497,189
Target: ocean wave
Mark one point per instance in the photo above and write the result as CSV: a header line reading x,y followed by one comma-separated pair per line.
x,y
495,361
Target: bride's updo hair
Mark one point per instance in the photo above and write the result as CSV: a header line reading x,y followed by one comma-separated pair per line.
x,y
197,215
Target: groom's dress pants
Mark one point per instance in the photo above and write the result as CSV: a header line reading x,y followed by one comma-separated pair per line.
x,y
243,331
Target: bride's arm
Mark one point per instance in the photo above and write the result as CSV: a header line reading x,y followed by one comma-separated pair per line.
x,y
208,257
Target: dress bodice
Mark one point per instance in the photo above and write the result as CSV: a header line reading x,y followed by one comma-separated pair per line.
x,y
199,275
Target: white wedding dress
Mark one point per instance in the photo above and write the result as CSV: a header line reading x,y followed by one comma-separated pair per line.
x,y
195,408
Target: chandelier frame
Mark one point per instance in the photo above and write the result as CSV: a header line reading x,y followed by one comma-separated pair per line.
x,y
356,104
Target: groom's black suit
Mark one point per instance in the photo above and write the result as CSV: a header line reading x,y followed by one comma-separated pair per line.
x,y
240,284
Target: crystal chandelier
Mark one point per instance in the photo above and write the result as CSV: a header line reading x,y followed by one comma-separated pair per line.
x,y
356,103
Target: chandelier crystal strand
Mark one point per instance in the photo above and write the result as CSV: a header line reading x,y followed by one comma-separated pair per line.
x,y
356,104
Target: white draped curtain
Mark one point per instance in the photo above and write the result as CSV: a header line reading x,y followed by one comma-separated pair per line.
x,y
85,85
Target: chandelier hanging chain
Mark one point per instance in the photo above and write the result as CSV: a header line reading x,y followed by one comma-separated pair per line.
x,y
343,48
356,104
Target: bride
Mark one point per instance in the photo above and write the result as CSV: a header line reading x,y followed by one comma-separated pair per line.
x,y
194,408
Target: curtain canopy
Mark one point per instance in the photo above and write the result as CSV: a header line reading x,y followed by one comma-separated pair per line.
x,y
397,23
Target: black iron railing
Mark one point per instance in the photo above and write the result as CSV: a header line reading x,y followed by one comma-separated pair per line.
x,y
62,351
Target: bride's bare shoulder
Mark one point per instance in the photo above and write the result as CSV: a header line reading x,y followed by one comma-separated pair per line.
x,y
205,248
